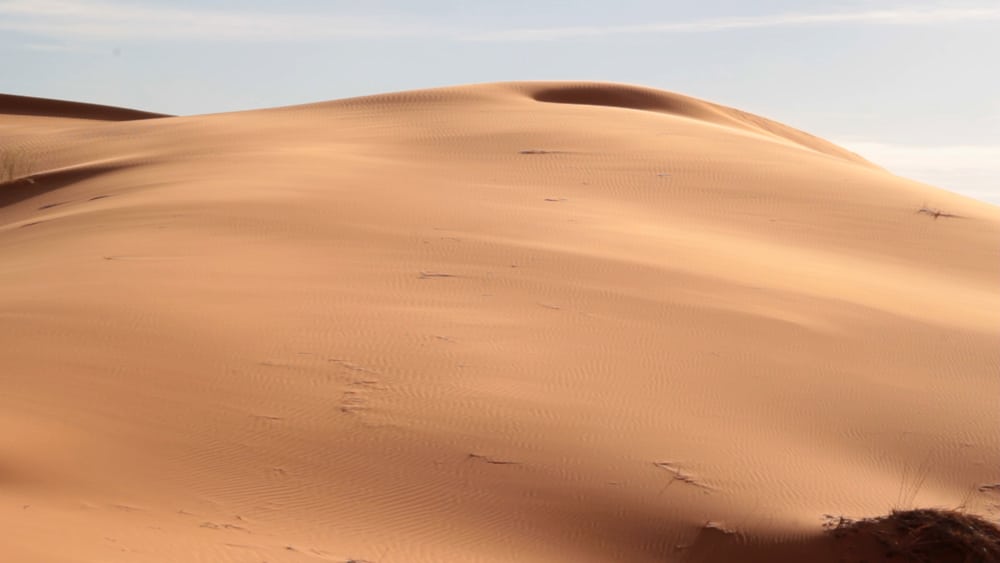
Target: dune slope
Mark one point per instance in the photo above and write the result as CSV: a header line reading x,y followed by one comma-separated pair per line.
x,y
521,321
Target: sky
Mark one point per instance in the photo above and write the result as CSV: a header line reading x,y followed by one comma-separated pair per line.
x,y
911,85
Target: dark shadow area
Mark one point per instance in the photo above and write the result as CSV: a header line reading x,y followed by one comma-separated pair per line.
x,y
38,184
44,107
628,97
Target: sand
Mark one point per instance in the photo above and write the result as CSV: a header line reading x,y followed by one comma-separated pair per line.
x,y
505,322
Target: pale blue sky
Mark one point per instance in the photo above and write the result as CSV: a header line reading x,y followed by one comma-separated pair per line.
x,y
912,85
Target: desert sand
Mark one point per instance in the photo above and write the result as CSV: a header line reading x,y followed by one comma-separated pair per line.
x,y
525,322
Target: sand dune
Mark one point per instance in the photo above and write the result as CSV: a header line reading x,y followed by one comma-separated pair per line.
x,y
506,322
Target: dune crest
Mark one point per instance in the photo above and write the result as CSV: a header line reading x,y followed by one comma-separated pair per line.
x,y
648,99
41,107
485,323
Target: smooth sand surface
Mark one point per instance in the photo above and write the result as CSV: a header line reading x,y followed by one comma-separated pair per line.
x,y
511,322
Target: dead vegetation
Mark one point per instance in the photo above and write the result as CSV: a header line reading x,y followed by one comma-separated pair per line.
x,y
430,275
541,151
935,213
924,536
682,476
492,460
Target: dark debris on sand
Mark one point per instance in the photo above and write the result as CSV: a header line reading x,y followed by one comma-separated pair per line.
x,y
925,536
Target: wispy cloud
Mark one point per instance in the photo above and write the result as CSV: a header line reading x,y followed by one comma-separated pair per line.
x,y
50,47
896,17
88,19
102,19
972,170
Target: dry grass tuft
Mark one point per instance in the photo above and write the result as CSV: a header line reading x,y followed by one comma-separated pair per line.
x,y
926,536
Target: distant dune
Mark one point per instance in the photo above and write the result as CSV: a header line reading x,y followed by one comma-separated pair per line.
x,y
528,322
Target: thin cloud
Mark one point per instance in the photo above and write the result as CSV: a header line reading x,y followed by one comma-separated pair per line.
x,y
103,20
86,19
896,17
50,47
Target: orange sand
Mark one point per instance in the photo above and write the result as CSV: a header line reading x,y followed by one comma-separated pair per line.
x,y
522,322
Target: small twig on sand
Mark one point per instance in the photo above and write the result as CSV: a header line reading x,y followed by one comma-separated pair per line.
x,y
427,275
493,461
935,213
540,151
682,476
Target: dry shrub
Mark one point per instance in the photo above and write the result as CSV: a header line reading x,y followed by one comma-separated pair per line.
x,y
925,536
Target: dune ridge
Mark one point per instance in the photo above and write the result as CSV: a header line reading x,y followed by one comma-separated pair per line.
x,y
648,99
44,107
538,321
